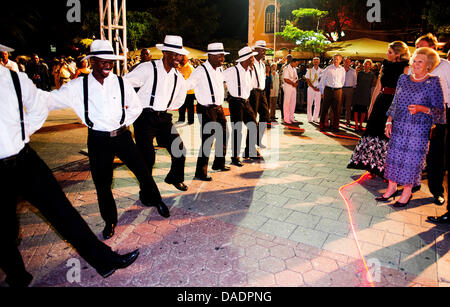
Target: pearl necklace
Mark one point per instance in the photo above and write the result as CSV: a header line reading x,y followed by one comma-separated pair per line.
x,y
420,79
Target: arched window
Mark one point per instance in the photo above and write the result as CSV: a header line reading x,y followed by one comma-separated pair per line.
x,y
269,19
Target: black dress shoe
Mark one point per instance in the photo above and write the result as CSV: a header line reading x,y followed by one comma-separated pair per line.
x,y
237,162
382,198
416,188
162,209
221,168
439,200
203,178
443,219
108,231
180,185
401,205
123,262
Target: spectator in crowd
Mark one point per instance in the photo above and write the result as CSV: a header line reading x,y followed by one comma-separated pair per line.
x,y
145,56
38,72
417,105
363,93
348,90
22,63
370,152
274,92
186,70
331,84
5,61
66,71
82,67
314,97
55,72
290,78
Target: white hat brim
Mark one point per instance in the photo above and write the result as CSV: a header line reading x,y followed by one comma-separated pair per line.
x,y
246,57
260,47
105,57
181,51
216,53
6,48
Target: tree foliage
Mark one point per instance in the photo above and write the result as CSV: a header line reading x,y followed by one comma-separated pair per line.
x,y
306,39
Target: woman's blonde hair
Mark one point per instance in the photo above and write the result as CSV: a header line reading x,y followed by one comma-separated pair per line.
x,y
401,49
433,59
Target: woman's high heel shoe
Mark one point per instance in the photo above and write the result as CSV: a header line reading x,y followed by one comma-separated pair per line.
x,y
382,198
400,205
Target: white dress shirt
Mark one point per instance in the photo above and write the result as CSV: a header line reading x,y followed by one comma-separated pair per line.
x,y
198,81
104,104
314,75
333,77
142,77
290,73
350,78
259,75
35,112
11,65
230,78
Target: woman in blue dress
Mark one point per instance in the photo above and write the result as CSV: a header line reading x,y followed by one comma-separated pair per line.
x,y
417,105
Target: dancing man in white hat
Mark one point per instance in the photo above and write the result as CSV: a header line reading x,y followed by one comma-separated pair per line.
x,y
207,82
239,84
107,105
23,111
258,99
162,88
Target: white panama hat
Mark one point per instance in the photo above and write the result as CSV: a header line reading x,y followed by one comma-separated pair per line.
x,y
260,44
173,43
5,48
245,53
216,48
102,49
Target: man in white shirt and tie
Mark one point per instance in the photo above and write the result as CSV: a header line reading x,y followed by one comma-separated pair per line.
x,y
348,89
239,84
107,105
162,88
312,78
207,82
331,84
23,111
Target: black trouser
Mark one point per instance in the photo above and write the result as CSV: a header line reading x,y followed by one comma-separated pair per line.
x,y
102,150
436,158
189,106
242,112
28,176
332,99
212,120
150,125
259,104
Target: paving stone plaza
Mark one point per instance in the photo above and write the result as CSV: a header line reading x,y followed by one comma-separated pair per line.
x,y
280,222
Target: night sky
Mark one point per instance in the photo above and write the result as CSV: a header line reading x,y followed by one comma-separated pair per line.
x,y
52,27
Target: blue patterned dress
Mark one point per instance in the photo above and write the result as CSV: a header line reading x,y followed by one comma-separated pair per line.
x,y
408,144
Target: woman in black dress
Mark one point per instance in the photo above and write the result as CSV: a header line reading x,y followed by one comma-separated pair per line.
x,y
370,152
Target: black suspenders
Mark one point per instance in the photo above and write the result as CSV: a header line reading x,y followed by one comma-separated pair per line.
x,y
210,85
239,82
15,78
155,82
256,73
86,101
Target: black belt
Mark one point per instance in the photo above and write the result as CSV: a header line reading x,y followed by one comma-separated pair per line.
x,y
238,99
11,162
111,134
258,90
333,89
348,87
211,106
151,111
